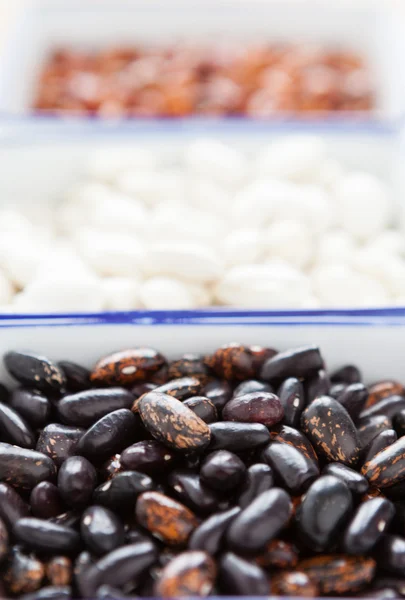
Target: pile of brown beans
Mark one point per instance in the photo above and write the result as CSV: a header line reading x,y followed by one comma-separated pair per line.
x,y
244,472
222,79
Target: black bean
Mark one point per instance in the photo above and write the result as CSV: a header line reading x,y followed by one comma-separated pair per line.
x,y
45,500
118,568
50,592
260,522
209,535
135,535
252,385
59,570
399,423
222,470
370,428
299,362
292,399
238,436
44,536
110,434
12,506
77,479
85,408
219,392
347,374
326,508
381,441
24,573
33,406
182,388
77,377
189,365
396,491
35,371
288,435
189,574
257,407
120,492
387,467
111,467
259,478
148,456
13,429
141,388
369,523
101,530
356,482
59,441
190,489
233,362
203,408
4,393
291,466
317,385
390,554
353,398
331,430
388,407
337,389
24,468
241,577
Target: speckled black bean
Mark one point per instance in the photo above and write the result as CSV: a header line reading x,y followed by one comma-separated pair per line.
x,y
13,428
24,468
182,388
101,530
59,441
32,405
381,441
121,491
369,428
85,408
388,407
259,478
35,371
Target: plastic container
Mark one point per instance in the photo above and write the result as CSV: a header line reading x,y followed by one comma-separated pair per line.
x,y
370,28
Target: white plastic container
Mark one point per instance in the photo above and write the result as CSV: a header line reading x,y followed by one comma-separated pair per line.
x,y
372,28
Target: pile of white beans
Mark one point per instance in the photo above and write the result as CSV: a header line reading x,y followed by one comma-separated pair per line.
x,y
284,227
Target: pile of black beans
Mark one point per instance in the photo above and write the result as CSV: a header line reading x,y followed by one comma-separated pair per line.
x,y
244,472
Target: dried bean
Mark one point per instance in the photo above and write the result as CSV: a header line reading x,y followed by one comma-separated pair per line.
x,y
120,492
33,406
251,385
299,362
260,522
141,388
337,389
318,385
108,435
257,407
4,541
111,467
291,466
191,573
383,389
77,479
368,525
288,435
292,399
326,508
280,554
50,592
294,584
238,436
354,480
127,367
399,423
331,430
203,408
370,428
209,535
45,500
232,361
338,574
259,478
12,506
44,536
190,489
59,441
59,571
182,388
70,518
388,407
222,470
165,518
13,429
85,408
241,577
387,467
24,573
390,554
353,398
219,392
148,456
172,423
35,371
381,441
189,365
23,468
107,592
77,377
347,374
101,530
